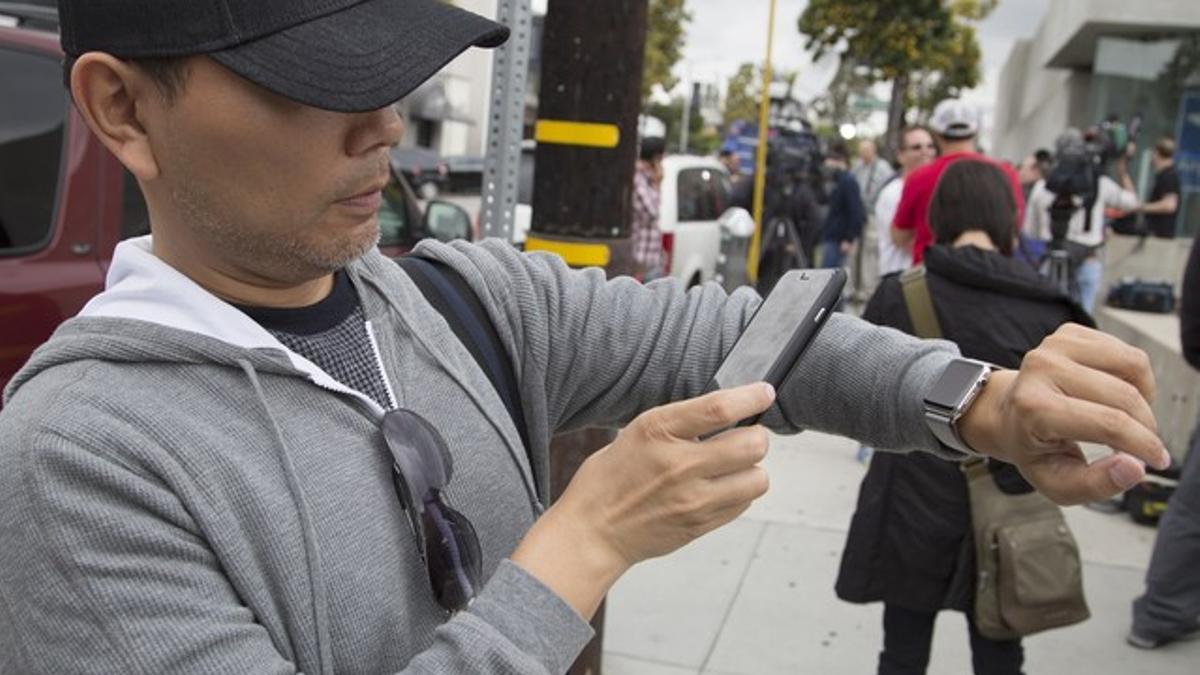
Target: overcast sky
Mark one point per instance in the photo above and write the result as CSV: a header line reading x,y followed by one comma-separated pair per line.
x,y
725,33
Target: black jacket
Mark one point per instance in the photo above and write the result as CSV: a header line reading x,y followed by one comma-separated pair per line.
x,y
1189,307
846,215
909,542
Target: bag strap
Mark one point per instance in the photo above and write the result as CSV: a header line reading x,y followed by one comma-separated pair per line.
x,y
925,322
920,303
450,295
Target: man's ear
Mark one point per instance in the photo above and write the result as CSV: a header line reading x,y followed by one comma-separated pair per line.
x,y
112,96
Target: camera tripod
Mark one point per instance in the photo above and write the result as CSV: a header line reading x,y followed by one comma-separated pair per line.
x,y
1056,263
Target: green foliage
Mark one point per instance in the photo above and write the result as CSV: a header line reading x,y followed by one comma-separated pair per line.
x,y
930,41
665,36
742,95
701,141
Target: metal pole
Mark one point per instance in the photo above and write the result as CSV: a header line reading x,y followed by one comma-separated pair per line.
x,y
687,114
506,123
760,170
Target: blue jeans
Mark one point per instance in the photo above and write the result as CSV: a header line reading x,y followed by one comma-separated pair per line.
x,y
1170,608
831,255
1088,278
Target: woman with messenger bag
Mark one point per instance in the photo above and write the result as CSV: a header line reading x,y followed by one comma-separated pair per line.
x,y
930,534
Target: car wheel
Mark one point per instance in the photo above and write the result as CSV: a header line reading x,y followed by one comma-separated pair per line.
x,y
428,191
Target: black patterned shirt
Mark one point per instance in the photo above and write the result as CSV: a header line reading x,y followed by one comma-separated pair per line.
x,y
333,335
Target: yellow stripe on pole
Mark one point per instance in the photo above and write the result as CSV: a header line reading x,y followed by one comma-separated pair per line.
x,y
574,254
586,134
760,171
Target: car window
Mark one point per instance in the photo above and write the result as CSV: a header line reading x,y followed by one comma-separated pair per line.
x,y
702,194
32,118
394,228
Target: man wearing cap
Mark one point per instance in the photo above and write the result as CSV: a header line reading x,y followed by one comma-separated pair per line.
x,y
955,125
260,450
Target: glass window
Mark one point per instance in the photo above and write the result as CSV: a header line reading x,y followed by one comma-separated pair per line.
x,y
32,119
394,226
703,194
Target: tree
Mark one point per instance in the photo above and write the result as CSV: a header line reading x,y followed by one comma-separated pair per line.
x,y
665,37
849,83
742,95
929,42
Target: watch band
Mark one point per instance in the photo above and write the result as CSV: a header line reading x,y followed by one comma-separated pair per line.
x,y
942,417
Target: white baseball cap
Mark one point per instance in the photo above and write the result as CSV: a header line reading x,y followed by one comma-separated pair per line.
x,y
954,119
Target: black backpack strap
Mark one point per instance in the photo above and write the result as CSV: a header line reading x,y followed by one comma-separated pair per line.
x,y
450,295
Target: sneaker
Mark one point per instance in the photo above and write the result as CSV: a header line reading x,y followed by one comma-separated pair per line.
x,y
1143,642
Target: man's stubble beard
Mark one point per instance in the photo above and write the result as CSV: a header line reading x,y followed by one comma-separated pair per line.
x,y
285,256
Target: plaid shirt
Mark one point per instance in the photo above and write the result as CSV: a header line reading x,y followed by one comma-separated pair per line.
x,y
647,238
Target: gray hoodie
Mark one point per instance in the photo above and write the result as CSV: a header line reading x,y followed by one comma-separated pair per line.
x,y
180,493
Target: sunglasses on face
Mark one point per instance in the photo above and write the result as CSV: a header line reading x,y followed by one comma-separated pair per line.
x,y
446,540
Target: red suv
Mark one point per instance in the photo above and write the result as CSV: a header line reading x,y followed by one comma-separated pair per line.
x,y
65,201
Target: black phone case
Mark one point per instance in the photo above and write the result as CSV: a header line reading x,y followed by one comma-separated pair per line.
x,y
815,317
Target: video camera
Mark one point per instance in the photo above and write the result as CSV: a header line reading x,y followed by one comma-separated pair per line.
x,y
793,156
1081,159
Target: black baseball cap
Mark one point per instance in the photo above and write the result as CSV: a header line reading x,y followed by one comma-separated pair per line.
x,y
342,55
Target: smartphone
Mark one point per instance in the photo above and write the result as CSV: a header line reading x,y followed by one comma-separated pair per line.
x,y
780,330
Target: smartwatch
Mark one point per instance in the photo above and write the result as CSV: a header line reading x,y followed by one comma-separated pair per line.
x,y
950,397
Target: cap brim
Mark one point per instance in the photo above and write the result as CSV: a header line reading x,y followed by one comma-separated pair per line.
x,y
362,58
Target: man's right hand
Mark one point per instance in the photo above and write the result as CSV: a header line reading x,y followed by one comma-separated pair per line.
x,y
654,489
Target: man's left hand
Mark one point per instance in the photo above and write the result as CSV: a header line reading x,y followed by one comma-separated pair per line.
x,y
1079,385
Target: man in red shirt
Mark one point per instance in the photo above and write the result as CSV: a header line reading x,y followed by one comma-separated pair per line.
x,y
954,124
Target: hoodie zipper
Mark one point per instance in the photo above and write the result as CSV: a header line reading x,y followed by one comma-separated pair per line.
x,y
530,491
379,364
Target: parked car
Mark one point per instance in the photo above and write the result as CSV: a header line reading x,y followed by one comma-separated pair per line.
x,y
65,201
695,196
466,173
424,169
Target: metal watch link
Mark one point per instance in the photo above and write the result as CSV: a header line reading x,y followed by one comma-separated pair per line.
x,y
949,398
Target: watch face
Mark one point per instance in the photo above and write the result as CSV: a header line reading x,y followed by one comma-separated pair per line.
x,y
955,383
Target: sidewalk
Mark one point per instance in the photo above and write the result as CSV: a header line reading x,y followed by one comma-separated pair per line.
x,y
756,597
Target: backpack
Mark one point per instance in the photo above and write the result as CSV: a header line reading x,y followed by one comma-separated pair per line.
x,y
452,297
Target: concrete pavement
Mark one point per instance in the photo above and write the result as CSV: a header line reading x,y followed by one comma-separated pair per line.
x,y
756,597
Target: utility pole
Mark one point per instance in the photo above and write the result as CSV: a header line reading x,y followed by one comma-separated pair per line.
x,y
587,136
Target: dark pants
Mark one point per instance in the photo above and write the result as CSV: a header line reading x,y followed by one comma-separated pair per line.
x,y
1171,606
908,636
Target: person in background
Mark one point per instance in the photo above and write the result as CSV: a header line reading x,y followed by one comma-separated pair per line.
x,y
846,215
1163,206
910,542
916,150
647,237
955,125
1085,231
1169,610
732,163
1030,172
871,171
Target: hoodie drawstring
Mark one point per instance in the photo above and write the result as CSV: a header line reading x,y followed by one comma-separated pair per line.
x,y
320,619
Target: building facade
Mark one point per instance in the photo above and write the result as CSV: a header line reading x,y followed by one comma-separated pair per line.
x,y
1095,59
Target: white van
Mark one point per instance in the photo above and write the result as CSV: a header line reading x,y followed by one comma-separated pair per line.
x,y
695,194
